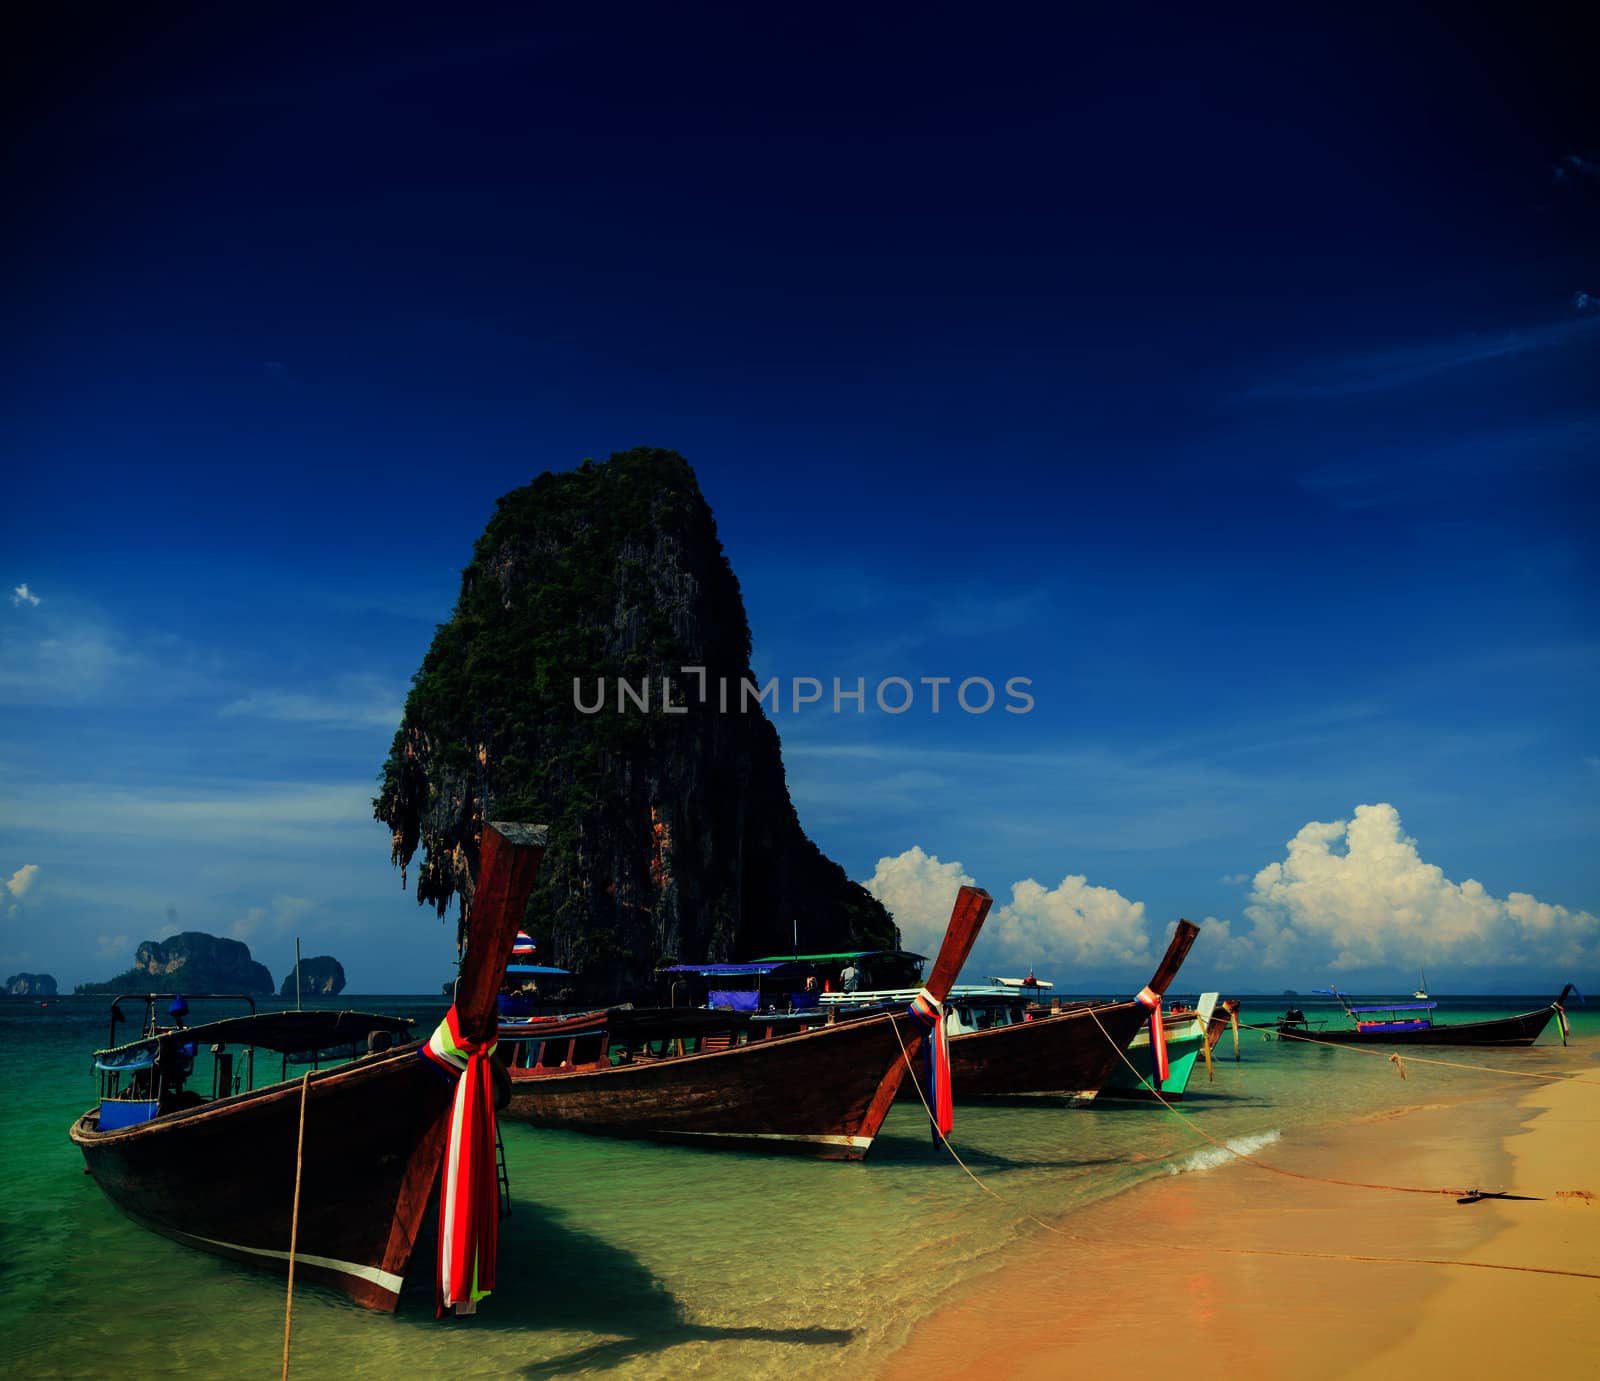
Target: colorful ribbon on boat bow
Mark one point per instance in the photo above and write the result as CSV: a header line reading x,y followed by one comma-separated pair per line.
x,y
1561,1021
469,1198
1158,1034
928,1012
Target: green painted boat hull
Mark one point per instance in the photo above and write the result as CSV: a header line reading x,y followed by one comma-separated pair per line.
x,y
1182,1054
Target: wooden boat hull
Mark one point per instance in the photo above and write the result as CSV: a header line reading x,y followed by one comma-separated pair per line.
x,y
1523,1029
822,1092
1065,1056
221,1176
1058,1056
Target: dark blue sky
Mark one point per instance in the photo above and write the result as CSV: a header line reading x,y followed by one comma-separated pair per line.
x,y
1232,380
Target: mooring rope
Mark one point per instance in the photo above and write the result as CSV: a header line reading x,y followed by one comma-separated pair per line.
x,y
1058,1231
1199,1131
294,1220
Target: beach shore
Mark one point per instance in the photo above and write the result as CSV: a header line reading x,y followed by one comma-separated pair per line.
x,y
1249,1274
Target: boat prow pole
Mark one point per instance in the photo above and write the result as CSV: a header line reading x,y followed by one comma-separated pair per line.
x,y
508,868
966,920
1178,947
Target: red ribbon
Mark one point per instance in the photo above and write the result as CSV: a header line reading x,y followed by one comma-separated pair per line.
x,y
928,1011
1158,1034
469,1196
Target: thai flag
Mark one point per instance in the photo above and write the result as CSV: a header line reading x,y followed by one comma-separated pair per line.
x,y
523,946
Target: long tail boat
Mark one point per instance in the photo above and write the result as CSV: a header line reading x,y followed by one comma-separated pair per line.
x,y
1059,1055
730,1079
218,1172
1187,1032
1411,1023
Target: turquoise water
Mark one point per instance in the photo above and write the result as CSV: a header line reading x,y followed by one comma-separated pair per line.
x,y
637,1260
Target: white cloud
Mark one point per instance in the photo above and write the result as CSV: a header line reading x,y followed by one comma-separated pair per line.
x,y
76,662
1399,366
919,891
21,881
1070,927
353,702
1356,894
72,654
23,595
271,921
1074,924
240,813
117,948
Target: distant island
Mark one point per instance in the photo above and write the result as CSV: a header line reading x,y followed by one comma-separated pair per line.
x,y
322,976
191,961
31,985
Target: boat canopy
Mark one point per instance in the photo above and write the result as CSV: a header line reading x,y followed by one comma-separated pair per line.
x,y
1397,1007
627,1025
543,969
759,967
141,1056
289,1033
843,954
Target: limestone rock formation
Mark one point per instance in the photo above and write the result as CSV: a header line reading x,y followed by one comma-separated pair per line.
x,y
31,985
190,962
671,830
319,977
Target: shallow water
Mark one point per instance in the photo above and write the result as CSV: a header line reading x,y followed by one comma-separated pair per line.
x,y
640,1260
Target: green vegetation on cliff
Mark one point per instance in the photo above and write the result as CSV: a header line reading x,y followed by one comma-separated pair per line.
x,y
670,833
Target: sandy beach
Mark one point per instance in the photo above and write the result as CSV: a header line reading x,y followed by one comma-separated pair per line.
x,y
1259,1275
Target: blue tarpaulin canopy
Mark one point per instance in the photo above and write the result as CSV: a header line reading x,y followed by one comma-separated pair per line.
x,y
135,1057
763,966
538,968
1398,1007
848,954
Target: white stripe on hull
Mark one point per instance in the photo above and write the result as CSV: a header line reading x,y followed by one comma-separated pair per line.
x,y
861,1142
385,1279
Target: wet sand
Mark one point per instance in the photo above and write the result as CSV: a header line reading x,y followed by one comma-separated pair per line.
x,y
1180,1274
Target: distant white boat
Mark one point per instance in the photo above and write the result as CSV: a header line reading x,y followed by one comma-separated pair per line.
x,y
1421,993
1029,982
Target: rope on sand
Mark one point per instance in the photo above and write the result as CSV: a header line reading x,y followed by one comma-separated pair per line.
x,y
1080,1238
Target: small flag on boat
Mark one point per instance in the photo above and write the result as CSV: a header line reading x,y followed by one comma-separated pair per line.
x,y
927,1011
523,946
1158,1034
469,1220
